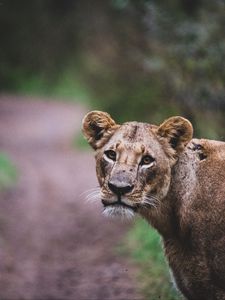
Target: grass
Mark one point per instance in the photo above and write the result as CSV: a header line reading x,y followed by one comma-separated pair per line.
x,y
144,245
8,173
67,86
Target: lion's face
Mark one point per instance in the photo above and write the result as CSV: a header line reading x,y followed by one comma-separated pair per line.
x,y
132,170
134,160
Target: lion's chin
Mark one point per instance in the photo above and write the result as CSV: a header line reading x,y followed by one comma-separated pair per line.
x,y
118,211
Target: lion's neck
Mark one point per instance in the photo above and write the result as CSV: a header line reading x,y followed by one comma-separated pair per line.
x,y
163,219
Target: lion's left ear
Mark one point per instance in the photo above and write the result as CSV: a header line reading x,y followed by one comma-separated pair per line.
x,y
178,131
98,127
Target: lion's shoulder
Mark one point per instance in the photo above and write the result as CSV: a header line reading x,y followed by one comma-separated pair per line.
x,y
203,150
200,170
208,149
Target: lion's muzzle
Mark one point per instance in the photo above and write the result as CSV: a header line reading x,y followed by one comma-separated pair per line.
x,y
120,188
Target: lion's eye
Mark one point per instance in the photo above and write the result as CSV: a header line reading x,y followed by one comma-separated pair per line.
x,y
111,154
147,159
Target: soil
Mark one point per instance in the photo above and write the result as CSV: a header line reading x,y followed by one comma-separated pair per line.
x,y
53,244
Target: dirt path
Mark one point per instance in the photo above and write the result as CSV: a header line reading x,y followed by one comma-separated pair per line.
x,y
53,245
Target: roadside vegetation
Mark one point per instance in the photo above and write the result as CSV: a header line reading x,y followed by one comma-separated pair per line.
x,y
144,246
67,87
80,143
137,59
8,172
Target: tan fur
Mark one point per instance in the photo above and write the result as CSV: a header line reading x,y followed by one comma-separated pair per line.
x,y
181,193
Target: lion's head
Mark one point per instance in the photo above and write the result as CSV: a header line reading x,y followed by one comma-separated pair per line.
x,y
134,160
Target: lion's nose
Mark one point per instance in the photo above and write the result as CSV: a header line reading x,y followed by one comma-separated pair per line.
x,y
120,188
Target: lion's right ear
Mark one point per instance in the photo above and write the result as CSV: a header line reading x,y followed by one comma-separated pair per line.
x,y
98,127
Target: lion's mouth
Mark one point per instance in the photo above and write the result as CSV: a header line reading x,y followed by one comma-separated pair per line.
x,y
118,204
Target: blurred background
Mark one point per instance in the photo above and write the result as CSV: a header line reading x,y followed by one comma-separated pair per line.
x,y
137,59
141,60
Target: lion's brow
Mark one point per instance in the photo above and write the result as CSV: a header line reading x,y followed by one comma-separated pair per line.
x,y
131,133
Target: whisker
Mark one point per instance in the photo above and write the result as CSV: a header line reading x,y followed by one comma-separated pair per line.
x,y
152,198
89,190
93,193
93,198
152,201
149,204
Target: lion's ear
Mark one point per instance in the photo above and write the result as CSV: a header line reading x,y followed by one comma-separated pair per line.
x,y
177,130
98,127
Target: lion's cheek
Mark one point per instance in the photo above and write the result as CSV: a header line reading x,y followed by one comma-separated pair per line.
x,y
157,182
103,169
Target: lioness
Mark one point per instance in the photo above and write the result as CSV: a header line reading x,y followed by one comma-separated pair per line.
x,y
176,183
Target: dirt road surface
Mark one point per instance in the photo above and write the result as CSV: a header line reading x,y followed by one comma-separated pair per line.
x,y
53,244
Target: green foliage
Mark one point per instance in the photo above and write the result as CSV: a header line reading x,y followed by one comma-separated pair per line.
x,y
146,250
8,173
81,143
158,59
140,59
67,86
119,4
